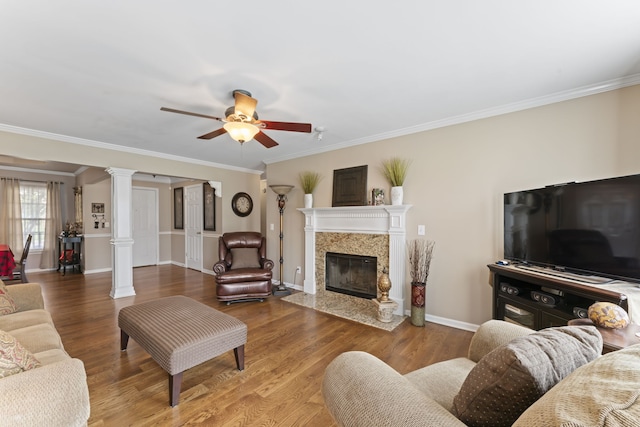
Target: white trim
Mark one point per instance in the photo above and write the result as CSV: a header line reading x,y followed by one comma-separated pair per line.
x,y
448,322
567,95
98,270
179,264
120,148
40,171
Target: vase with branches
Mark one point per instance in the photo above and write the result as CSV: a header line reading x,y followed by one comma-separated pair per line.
x,y
395,171
309,182
420,254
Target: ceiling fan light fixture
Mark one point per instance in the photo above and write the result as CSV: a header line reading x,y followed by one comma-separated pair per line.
x,y
241,131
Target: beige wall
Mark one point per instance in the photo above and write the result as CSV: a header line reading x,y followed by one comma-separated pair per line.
x,y
457,179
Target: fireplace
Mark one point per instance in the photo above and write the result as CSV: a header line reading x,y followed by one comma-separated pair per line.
x,y
377,231
354,275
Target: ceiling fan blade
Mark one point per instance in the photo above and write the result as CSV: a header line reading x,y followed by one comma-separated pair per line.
x,y
265,140
172,110
245,105
288,126
213,134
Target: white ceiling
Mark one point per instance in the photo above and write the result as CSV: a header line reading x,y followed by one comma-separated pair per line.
x,y
97,72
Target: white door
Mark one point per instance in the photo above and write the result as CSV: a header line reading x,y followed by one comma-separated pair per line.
x,y
193,227
145,226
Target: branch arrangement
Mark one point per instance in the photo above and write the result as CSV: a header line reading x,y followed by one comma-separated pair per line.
x,y
420,253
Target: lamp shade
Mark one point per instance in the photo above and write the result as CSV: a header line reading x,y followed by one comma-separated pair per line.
x,y
281,190
241,131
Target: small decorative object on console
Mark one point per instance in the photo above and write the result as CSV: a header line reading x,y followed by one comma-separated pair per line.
x,y
608,315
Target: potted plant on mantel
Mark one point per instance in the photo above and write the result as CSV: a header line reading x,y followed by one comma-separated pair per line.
x,y
420,253
395,171
309,181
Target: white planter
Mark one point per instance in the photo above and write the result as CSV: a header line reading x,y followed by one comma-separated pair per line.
x,y
308,201
397,194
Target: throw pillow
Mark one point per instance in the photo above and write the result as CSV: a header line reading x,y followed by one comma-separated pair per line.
x,y
14,358
508,380
7,305
245,258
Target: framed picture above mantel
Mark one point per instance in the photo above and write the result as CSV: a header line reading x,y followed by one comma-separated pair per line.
x,y
350,186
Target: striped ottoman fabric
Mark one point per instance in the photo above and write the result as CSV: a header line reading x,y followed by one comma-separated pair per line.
x,y
180,333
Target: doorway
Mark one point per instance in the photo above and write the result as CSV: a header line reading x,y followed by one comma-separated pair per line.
x,y
193,227
145,226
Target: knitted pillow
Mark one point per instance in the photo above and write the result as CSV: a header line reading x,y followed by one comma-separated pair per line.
x,y
14,358
245,258
7,305
512,377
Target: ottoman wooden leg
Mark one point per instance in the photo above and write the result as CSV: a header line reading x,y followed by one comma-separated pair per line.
x,y
238,352
124,340
174,388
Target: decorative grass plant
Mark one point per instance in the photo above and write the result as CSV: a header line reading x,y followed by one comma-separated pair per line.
x,y
395,170
309,181
420,253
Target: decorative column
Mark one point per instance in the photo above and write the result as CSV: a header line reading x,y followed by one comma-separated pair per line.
x,y
122,233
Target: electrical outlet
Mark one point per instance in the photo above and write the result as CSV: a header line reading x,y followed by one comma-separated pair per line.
x,y
421,230
298,269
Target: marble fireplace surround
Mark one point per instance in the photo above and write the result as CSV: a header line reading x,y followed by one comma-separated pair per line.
x,y
378,231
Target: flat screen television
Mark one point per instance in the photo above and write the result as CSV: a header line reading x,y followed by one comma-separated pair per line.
x,y
587,228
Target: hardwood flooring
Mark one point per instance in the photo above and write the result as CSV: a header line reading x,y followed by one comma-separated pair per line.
x,y
287,350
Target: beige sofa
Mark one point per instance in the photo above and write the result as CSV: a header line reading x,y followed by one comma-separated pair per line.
x,y
53,394
361,390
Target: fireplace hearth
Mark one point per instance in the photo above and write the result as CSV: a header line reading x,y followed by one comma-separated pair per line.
x,y
354,275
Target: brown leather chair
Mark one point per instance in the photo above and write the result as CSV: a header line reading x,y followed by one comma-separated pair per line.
x,y
243,272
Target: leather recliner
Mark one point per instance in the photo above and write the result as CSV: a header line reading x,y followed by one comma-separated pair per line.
x,y
243,272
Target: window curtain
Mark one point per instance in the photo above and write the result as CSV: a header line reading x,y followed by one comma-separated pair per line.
x,y
52,227
11,215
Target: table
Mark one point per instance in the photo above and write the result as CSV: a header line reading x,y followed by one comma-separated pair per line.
x,y
69,253
7,263
613,339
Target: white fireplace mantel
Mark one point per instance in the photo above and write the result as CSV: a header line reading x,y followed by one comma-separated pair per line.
x,y
385,219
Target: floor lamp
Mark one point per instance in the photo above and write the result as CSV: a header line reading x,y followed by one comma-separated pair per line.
x,y
281,191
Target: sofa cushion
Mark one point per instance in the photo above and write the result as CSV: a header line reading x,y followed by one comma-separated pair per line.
x,y
512,377
38,338
22,319
14,358
245,258
605,392
7,304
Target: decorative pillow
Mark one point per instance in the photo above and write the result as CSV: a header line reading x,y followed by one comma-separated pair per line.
x,y
508,380
245,258
7,305
14,358
605,392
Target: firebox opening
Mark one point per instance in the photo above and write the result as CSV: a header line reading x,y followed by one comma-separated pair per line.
x,y
354,275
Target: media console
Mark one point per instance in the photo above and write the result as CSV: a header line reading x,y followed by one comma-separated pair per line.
x,y
538,300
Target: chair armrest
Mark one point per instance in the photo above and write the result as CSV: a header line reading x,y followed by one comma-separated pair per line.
x,y
267,264
220,267
361,390
27,296
493,334
51,395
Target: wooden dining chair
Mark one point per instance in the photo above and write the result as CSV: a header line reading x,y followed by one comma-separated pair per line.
x,y
19,274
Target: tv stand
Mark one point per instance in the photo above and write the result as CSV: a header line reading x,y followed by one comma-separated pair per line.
x,y
537,299
592,280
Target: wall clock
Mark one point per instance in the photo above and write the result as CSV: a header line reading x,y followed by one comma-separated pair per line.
x,y
242,204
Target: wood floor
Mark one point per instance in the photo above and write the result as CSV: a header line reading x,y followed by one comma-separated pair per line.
x,y
287,350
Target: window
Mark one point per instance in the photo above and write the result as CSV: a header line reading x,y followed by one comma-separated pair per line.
x,y
33,200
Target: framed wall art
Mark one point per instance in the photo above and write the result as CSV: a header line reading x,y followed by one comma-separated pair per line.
x,y
178,209
350,186
209,206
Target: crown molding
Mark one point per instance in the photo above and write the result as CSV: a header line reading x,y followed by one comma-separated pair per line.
x,y
554,98
119,148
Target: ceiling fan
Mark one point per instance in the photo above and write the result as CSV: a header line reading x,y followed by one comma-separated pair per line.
x,y
242,124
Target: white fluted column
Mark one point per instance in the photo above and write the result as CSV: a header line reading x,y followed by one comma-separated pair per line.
x,y
122,233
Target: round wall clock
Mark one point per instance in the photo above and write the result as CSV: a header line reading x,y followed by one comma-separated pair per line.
x,y
242,204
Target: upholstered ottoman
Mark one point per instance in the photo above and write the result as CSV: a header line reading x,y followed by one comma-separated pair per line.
x,y
180,333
